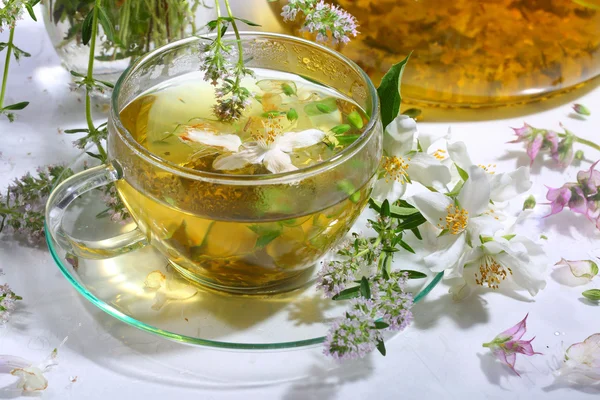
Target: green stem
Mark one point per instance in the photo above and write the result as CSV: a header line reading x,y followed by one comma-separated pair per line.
x,y
6,64
582,141
239,41
90,79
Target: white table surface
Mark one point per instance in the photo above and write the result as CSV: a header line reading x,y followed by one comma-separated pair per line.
x,y
439,356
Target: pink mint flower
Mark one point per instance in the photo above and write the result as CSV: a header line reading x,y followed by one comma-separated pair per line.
x,y
508,344
536,140
569,195
589,180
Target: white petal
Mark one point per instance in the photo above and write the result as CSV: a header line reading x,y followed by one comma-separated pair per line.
x,y
451,248
483,225
8,363
468,257
506,186
155,280
459,289
399,136
32,379
227,141
475,194
277,161
459,155
427,170
289,141
427,140
433,206
389,190
160,299
525,274
251,153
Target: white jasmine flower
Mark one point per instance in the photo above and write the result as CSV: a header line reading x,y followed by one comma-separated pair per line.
x,y
503,186
516,259
459,222
401,164
270,148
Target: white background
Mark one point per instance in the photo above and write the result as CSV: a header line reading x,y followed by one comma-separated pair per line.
x,y
439,356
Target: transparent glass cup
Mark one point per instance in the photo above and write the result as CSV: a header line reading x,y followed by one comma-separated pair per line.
x,y
249,234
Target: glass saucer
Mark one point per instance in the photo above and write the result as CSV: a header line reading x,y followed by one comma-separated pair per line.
x,y
142,290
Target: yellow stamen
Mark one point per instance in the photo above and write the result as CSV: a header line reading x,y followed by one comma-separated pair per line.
x,y
456,220
491,273
396,169
488,168
272,129
440,154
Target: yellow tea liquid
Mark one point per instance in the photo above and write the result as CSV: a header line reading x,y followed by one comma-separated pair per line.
x,y
474,53
249,236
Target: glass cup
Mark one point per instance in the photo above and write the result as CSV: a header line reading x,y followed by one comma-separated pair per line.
x,y
249,234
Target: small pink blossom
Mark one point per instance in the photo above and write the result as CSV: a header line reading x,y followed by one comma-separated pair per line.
x,y
508,344
581,109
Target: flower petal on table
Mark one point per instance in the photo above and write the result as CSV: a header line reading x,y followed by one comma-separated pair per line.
x,y
581,268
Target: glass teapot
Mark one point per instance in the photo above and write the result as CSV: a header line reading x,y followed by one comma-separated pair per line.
x,y
473,53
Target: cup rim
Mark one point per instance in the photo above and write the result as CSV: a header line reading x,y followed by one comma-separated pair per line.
x,y
215,177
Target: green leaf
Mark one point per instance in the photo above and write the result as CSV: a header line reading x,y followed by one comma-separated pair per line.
x,y
107,26
325,106
380,325
462,173
96,156
340,129
30,11
385,209
406,247
86,27
345,140
485,239
454,192
355,119
381,347
272,114
346,186
265,239
365,289
417,233
77,74
76,130
544,237
346,294
414,274
288,89
3,45
292,115
18,53
16,106
389,92
247,22
592,294
508,237
395,211
411,222
412,112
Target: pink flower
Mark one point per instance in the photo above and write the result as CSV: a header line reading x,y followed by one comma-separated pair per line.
x,y
537,139
569,195
507,344
590,179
